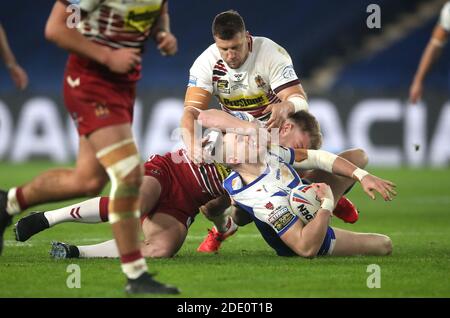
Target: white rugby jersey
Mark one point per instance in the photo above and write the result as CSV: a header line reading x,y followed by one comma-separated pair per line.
x,y
444,20
118,23
267,70
267,197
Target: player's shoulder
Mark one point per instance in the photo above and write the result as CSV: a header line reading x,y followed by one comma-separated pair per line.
x,y
268,47
208,57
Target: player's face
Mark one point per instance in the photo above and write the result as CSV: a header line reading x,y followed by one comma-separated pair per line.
x,y
293,137
235,51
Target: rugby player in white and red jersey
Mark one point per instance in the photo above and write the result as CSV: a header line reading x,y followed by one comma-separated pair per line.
x,y
99,92
255,75
431,53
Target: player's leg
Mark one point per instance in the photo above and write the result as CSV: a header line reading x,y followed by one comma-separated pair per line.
x,y
150,191
219,212
351,243
117,153
344,209
163,235
88,178
90,211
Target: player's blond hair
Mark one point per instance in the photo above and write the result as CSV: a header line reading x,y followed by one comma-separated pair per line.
x,y
308,123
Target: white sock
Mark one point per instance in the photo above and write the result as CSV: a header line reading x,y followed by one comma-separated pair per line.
x,y
135,269
85,212
105,249
13,206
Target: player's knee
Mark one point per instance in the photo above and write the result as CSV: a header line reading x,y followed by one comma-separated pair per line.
x,y
357,156
157,251
386,245
94,185
133,179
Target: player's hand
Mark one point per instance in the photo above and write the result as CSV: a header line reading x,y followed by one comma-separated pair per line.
x,y
280,112
123,60
167,43
19,76
323,191
415,92
386,188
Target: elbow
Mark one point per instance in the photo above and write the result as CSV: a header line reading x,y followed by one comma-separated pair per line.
x,y
206,119
50,33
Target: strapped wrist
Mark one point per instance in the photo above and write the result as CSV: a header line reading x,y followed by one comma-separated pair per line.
x,y
359,174
327,204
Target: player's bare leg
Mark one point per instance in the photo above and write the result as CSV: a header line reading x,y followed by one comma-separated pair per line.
x,y
117,153
164,235
352,243
340,185
86,179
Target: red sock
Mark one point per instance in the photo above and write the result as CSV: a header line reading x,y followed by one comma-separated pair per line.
x,y
130,257
21,199
104,208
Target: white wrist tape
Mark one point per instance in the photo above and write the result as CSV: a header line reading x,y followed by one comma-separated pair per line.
x,y
327,204
299,103
317,159
359,174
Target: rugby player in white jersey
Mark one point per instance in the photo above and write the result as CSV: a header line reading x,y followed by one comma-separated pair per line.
x,y
254,75
271,177
431,53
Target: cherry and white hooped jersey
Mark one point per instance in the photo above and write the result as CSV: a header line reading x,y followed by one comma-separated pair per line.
x,y
266,198
444,20
267,70
118,23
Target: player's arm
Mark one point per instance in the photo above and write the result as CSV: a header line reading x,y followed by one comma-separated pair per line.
x,y
326,161
306,240
195,100
167,42
60,32
429,56
18,75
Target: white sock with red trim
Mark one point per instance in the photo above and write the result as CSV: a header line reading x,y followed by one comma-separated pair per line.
x,y
84,212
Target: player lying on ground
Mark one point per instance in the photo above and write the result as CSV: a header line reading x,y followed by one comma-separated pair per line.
x,y
304,134
172,192
262,190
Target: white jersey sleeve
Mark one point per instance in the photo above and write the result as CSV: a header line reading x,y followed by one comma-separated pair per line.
x,y
87,5
284,154
200,73
279,65
444,20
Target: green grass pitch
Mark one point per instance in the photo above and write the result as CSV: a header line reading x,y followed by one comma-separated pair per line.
x,y
418,221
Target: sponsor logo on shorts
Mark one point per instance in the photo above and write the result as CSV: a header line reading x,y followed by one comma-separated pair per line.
x,y
280,218
101,111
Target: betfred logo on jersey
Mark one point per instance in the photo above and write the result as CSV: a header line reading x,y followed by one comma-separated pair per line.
x,y
280,218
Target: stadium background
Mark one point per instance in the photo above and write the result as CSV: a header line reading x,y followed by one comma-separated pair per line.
x,y
362,102
357,80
